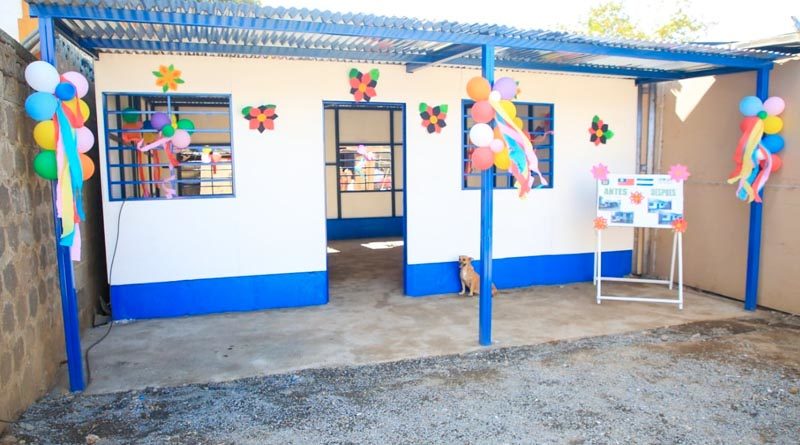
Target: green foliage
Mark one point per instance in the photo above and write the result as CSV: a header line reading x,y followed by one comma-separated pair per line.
x,y
610,19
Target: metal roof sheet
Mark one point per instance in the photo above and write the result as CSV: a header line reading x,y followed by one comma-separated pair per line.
x,y
227,28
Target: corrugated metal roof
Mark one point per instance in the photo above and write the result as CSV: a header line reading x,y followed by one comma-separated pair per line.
x,y
197,27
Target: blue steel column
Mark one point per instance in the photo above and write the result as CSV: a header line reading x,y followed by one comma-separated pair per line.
x,y
487,195
66,279
754,238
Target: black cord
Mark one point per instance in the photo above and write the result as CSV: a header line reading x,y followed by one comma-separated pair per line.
x,y
116,242
86,355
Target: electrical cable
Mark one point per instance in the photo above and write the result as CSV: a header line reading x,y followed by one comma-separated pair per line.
x,y
110,274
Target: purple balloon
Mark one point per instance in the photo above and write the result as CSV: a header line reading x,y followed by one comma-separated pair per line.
x,y
506,86
160,120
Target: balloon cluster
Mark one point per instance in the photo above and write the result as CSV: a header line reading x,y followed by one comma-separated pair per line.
x,y
60,132
756,153
507,146
169,133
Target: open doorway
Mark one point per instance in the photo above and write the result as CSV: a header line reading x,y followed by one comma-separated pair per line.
x,y
364,172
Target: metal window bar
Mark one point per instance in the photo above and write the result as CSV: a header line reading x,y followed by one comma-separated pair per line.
x,y
128,175
544,151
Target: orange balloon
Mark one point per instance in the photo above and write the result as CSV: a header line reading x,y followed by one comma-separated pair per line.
x,y
478,88
133,138
87,166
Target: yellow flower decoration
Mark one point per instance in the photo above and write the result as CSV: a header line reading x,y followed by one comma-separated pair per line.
x,y
168,78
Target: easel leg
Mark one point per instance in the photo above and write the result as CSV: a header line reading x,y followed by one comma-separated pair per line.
x,y
679,239
598,261
672,261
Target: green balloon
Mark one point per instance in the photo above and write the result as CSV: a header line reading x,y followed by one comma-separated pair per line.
x,y
131,115
168,131
186,124
762,115
45,165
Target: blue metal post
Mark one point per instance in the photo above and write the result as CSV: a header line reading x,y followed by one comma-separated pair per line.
x,y
754,238
487,195
66,280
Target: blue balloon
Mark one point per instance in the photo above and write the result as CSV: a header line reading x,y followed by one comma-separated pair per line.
x,y
41,106
773,143
65,91
750,106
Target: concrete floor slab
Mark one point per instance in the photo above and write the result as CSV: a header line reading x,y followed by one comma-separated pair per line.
x,y
368,320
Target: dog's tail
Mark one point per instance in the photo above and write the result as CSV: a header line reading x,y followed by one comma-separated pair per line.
x,y
494,290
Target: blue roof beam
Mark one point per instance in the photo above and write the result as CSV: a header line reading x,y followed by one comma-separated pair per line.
x,y
443,55
377,56
83,12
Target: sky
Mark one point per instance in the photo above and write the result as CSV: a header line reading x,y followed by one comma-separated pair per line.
x,y
728,20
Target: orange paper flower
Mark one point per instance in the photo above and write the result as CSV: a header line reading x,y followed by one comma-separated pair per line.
x,y
636,197
679,225
600,223
168,78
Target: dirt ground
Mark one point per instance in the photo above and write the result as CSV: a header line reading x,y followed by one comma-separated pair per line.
x,y
714,382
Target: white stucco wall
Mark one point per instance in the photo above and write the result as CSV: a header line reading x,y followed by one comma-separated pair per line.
x,y
276,221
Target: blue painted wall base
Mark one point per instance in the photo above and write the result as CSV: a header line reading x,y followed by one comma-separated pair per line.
x,y
214,295
442,278
353,228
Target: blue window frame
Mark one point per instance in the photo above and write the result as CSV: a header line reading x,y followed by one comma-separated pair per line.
x,y
539,121
203,169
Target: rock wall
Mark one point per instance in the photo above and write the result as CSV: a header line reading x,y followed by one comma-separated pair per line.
x,y
31,330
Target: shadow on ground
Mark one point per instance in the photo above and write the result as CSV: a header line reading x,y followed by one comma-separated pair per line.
x,y
722,381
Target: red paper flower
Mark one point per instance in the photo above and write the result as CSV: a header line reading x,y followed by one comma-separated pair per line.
x,y
362,85
600,223
679,225
261,118
599,131
433,117
637,197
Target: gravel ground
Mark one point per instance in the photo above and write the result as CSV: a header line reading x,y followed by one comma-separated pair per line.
x,y
721,382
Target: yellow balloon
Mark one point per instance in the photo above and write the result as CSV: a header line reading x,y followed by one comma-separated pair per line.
x,y
501,160
509,108
773,124
73,105
44,133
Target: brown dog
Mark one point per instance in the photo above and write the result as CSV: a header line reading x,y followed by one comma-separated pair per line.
x,y
469,278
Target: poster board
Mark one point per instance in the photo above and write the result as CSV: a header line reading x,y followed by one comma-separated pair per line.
x,y
652,201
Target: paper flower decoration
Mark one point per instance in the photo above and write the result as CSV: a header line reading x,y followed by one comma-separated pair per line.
x,y
433,117
679,225
600,172
362,85
679,172
168,78
637,198
600,223
599,131
261,117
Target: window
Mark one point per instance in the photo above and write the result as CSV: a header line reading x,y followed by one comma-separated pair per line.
x,y
203,169
363,160
538,119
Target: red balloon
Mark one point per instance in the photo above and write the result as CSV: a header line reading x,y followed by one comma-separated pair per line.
x,y
747,123
482,112
482,158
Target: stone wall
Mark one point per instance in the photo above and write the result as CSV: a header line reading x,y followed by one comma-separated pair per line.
x,y
31,330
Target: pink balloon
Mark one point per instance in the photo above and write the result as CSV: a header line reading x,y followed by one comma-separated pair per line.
x,y
482,158
496,145
85,139
78,81
181,139
774,105
482,112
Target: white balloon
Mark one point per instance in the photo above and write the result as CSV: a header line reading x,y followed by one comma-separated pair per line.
x,y
495,96
78,81
481,135
42,76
